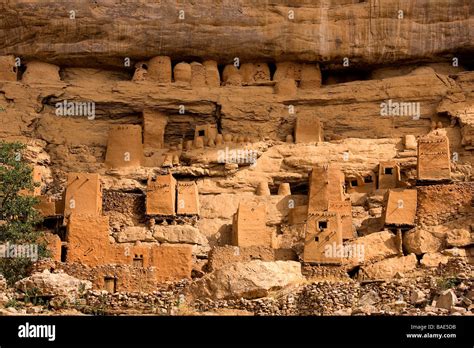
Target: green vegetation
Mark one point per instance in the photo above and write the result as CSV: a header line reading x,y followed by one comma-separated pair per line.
x,y
18,218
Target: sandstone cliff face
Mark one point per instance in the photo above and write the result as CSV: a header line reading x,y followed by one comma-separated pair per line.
x,y
186,105
323,30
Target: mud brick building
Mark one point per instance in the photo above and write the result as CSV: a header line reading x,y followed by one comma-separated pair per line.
x,y
83,194
289,103
344,209
323,231
188,198
325,184
124,147
361,183
47,207
308,129
400,207
159,69
434,162
249,226
329,218
389,175
88,243
161,195
206,131
154,125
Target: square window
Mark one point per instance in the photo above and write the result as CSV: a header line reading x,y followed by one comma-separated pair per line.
x,y
316,239
138,261
201,133
322,225
368,179
354,183
388,171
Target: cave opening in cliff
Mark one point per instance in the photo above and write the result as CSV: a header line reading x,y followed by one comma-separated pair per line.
x,y
220,68
62,231
63,253
90,72
333,77
354,272
299,188
272,66
52,223
273,189
20,70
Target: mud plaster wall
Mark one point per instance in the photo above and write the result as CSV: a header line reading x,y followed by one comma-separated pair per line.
x,y
439,204
249,226
318,236
400,207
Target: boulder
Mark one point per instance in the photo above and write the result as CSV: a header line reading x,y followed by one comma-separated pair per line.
x,y
378,246
132,234
387,269
369,298
459,237
53,285
420,241
455,252
417,296
447,299
248,280
179,234
433,259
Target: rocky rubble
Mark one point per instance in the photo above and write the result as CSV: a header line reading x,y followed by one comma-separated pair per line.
x,y
53,285
441,291
406,296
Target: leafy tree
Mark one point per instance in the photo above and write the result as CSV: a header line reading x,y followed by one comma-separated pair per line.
x,y
18,217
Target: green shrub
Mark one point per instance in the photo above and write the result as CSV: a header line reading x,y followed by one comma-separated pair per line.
x,y
18,217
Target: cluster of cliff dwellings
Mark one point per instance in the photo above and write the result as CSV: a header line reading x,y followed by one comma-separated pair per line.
x,y
402,183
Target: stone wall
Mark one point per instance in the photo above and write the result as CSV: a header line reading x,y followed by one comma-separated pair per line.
x,y
438,204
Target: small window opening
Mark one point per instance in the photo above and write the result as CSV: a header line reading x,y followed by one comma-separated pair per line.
x,y
138,261
322,225
63,253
